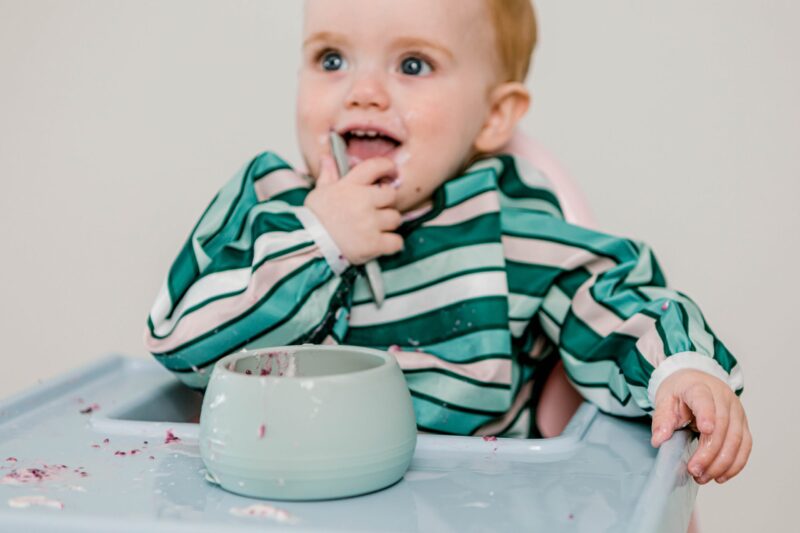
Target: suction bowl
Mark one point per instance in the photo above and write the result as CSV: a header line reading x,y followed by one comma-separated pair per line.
x,y
307,422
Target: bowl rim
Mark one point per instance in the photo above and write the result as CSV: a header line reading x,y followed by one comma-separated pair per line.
x,y
389,361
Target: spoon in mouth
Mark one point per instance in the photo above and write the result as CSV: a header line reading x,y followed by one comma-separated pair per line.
x,y
373,270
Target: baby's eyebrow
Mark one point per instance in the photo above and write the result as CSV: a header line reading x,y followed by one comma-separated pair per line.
x,y
419,42
325,36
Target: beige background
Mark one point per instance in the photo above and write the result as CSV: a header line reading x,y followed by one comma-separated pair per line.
x,y
119,120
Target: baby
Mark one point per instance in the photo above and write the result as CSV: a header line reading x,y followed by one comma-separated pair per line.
x,y
486,285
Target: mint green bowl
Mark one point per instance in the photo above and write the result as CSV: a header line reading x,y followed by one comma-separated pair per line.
x,y
307,422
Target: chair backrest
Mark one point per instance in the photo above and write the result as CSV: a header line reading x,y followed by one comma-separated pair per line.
x,y
559,399
573,202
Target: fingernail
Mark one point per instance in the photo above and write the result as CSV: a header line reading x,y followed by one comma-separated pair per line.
x,y
703,480
696,471
722,479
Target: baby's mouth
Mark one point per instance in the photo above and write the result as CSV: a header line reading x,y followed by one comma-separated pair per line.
x,y
367,143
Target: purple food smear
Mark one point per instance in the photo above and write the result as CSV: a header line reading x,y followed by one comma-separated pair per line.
x,y
90,409
40,474
171,437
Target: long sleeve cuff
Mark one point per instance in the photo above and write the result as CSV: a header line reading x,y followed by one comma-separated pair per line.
x,y
690,360
326,244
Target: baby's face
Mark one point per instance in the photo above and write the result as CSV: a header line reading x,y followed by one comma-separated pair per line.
x,y
409,80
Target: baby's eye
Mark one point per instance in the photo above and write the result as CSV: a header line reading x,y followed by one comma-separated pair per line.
x,y
332,61
415,66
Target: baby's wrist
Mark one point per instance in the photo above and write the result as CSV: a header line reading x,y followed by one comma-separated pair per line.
x,y
327,245
698,362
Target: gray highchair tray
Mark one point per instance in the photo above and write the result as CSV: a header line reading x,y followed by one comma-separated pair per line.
x,y
110,468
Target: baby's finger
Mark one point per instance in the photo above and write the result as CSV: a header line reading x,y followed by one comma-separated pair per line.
x,y
741,457
665,421
391,243
372,170
328,173
730,448
389,219
700,400
384,196
710,445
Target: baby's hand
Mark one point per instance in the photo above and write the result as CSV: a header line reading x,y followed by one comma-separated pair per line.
x,y
357,211
706,404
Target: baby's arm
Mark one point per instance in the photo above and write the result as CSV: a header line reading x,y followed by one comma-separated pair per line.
x,y
632,345
256,271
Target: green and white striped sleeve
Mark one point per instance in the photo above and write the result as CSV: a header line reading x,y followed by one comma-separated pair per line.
x,y
258,270
620,331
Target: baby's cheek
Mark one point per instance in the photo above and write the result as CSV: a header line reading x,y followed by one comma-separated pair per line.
x,y
312,136
430,118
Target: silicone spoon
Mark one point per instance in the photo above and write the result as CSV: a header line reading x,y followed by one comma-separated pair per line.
x,y
373,270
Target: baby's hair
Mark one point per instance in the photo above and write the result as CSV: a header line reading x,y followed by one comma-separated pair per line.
x,y
514,23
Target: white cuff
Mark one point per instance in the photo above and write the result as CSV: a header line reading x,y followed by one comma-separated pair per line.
x,y
690,360
326,244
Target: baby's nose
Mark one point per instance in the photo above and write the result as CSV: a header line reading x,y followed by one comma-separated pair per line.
x,y
368,91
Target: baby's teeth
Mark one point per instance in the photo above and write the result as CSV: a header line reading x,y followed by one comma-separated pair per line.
x,y
362,133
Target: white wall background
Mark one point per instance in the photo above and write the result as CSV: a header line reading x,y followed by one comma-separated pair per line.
x,y
120,119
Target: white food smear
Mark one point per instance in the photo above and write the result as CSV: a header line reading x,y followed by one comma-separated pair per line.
x,y
282,364
402,157
23,502
262,510
479,505
219,399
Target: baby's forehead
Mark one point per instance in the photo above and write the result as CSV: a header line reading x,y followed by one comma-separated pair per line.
x,y
459,24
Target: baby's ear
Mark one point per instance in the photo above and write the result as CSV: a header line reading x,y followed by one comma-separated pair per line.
x,y
508,104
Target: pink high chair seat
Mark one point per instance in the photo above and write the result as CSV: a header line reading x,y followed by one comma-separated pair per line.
x,y
559,399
